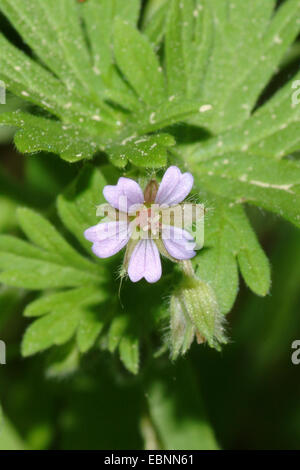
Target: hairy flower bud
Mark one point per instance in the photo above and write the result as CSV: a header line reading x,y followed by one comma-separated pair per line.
x,y
182,329
195,311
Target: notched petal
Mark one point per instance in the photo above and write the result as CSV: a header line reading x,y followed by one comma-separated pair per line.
x,y
108,238
179,243
124,194
145,262
174,187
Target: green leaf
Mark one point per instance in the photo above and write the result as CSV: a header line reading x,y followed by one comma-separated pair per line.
x,y
102,14
256,73
233,35
77,206
179,33
168,113
184,429
189,39
89,328
27,79
263,134
65,301
65,21
56,328
272,185
20,271
281,143
129,353
18,247
10,439
31,267
229,239
154,26
253,263
34,24
38,134
216,263
202,47
247,50
43,234
128,11
149,151
117,329
12,103
139,63
119,91
62,361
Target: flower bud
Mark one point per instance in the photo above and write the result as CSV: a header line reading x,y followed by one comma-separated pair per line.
x,y
194,301
182,329
151,191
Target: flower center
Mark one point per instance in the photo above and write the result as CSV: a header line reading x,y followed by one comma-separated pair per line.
x,y
148,220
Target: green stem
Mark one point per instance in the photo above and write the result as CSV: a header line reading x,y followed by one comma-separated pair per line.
x,y
187,268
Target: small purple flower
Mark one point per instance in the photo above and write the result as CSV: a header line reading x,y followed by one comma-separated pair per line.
x,y
149,223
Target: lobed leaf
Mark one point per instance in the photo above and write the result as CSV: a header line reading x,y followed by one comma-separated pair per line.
x,y
153,27
138,62
89,328
247,50
229,240
56,328
129,353
77,206
99,19
65,21
27,266
32,22
65,301
280,34
188,43
270,184
263,133
43,234
116,331
148,151
168,113
29,80
178,50
19,271
62,361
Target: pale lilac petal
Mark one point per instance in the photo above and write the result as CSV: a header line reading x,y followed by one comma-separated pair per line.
x,y
102,231
108,238
124,194
179,243
183,190
170,180
145,262
174,187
